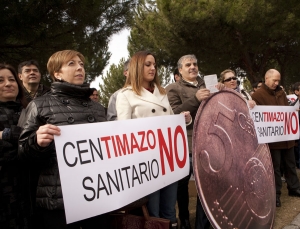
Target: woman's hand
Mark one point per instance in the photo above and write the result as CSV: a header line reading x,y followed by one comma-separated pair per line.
x,y
251,104
220,86
45,134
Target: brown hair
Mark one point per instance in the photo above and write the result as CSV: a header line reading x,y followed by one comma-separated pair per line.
x,y
59,58
136,73
20,95
222,75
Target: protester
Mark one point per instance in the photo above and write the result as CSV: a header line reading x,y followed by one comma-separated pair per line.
x,y
141,97
272,94
296,90
14,209
186,95
256,85
176,75
30,76
111,109
229,79
95,95
67,103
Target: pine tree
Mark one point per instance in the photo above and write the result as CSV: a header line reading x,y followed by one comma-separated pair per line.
x,y
113,81
32,29
253,35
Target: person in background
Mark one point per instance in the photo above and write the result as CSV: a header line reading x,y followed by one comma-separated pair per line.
x,y
95,95
176,75
229,79
256,85
111,109
296,89
29,74
271,94
67,103
14,205
142,96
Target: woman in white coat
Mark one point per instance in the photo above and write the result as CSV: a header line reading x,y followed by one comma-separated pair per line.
x,y
142,96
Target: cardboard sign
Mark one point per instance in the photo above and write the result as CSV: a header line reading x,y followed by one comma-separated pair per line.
x,y
104,166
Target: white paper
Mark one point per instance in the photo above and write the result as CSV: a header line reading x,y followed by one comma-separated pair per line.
x,y
210,82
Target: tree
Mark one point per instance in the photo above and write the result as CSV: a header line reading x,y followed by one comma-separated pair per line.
x,y
113,81
253,35
32,29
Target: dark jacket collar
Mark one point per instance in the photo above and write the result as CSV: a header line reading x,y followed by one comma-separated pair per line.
x,y
77,91
16,106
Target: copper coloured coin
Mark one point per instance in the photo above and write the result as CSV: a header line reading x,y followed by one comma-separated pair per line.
x,y
233,173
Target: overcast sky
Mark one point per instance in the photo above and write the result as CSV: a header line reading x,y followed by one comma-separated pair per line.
x,y
118,49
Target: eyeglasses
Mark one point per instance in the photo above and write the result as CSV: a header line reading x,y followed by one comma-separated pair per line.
x,y
229,79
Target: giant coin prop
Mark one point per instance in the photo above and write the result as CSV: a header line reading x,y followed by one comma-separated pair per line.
x,y
233,173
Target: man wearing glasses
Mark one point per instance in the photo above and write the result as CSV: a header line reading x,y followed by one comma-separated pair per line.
x,y
272,94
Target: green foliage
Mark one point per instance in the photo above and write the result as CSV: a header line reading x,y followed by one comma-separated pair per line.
x,y
253,35
113,81
247,85
32,29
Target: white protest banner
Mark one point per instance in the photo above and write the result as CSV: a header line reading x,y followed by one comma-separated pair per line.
x,y
275,123
104,166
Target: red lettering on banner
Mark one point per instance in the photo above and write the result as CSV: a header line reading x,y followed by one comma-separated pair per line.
x,y
164,149
105,139
142,148
179,131
122,147
288,123
294,131
114,145
264,115
152,146
134,143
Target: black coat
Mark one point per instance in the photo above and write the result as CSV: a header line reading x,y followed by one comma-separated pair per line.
x,y
13,212
65,104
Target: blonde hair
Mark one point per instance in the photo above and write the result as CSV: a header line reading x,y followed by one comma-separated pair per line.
x,y
222,75
136,73
59,58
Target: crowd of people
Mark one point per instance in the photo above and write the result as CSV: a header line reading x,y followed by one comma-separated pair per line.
x,y
30,113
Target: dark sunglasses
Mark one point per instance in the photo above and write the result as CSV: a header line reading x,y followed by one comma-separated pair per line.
x,y
229,79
